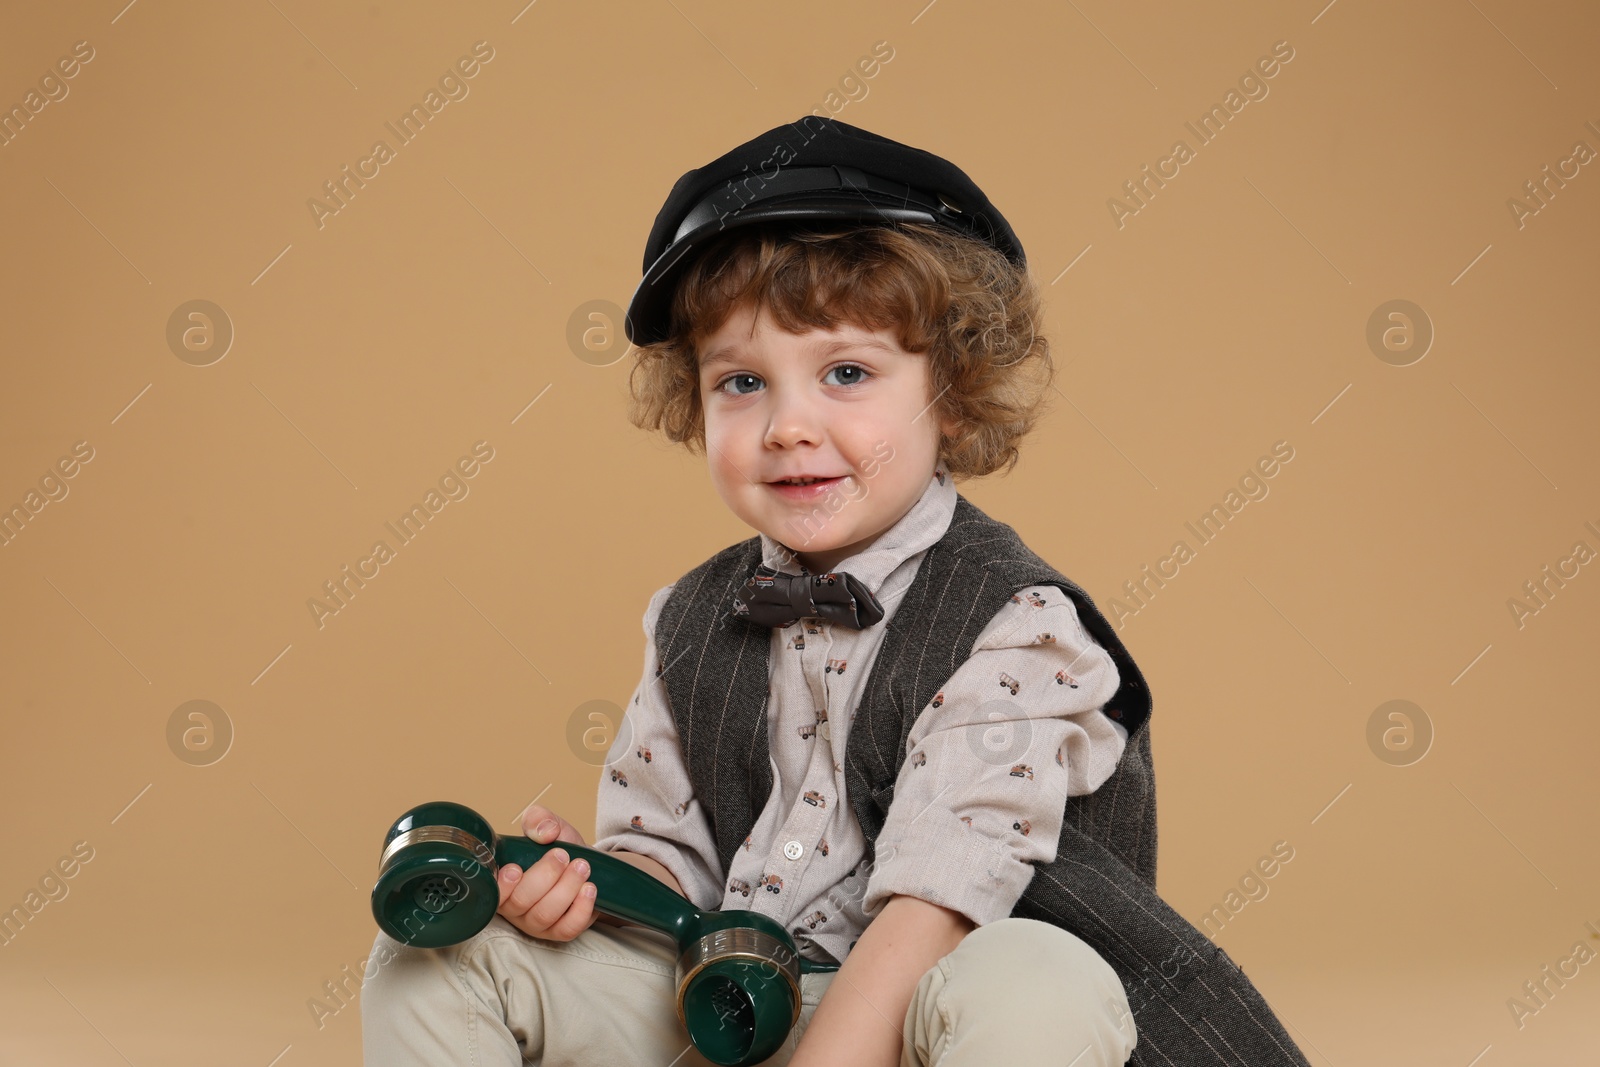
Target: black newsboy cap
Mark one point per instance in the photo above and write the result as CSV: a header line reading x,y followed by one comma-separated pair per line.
x,y
814,169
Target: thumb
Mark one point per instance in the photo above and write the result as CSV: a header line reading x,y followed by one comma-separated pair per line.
x,y
545,826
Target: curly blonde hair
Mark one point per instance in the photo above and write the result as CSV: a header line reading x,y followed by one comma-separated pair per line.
x,y
975,314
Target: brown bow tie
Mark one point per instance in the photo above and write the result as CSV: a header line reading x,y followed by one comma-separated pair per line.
x,y
771,598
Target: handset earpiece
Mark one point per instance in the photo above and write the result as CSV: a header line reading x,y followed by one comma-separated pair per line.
x,y
738,972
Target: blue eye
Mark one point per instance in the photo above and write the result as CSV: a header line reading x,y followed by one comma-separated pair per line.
x,y
735,378
849,367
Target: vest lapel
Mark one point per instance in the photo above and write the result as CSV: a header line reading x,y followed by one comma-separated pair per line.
x,y
715,668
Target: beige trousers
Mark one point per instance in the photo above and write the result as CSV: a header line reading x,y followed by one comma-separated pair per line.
x,y
1014,991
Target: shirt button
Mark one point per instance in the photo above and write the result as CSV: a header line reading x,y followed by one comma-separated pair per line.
x,y
794,850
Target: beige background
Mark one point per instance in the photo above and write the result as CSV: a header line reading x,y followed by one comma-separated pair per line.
x,y
370,353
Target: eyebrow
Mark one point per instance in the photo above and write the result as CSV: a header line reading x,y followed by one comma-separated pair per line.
x,y
730,353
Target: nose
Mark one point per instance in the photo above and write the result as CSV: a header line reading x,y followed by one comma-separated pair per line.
x,y
795,419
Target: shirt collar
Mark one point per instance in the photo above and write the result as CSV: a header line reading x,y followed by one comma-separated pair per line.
x,y
916,531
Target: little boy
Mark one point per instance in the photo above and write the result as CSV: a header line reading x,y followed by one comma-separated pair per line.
x,y
884,722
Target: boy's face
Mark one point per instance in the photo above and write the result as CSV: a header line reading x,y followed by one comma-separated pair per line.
x,y
847,403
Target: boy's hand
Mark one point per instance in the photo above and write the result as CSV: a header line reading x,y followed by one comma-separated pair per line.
x,y
551,899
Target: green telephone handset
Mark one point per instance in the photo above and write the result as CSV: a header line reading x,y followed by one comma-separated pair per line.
x,y
738,972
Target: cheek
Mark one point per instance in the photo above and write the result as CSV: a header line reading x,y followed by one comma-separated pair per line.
x,y
718,433
723,450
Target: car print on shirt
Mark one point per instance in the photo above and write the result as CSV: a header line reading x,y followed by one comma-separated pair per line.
x,y
921,760
746,845
798,642
835,665
771,883
1033,598
822,846
644,754
815,919
1010,683
1022,825
938,699
636,822
620,778
681,809
1044,639
968,820
1063,678
1022,770
811,729
1059,761
815,799
736,886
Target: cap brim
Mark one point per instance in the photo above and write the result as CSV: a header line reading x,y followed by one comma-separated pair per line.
x,y
649,312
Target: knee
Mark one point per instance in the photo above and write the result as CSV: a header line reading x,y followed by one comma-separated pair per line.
x,y
393,973
396,971
397,974
1026,984
1033,951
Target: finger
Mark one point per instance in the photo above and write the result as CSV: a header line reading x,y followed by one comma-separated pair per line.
x,y
536,882
579,916
554,904
545,826
533,816
507,878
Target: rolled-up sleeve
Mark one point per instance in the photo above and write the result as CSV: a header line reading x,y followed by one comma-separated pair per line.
x,y
646,801
993,758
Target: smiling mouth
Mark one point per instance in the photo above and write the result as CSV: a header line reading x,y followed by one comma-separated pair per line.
x,y
804,490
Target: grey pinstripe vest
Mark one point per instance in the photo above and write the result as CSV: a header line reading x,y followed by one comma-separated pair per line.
x,y
1191,1004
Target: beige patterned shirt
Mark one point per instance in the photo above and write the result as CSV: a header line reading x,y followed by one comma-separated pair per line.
x,y
990,762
